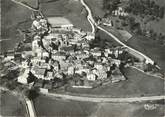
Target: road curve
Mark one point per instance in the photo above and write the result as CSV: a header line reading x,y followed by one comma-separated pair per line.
x,y
28,103
91,19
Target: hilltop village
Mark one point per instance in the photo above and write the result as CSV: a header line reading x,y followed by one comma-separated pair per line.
x,y
60,54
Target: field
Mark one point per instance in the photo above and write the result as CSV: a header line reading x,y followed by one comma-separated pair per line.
x,y
96,7
12,15
66,108
150,48
128,110
10,105
71,9
46,106
138,84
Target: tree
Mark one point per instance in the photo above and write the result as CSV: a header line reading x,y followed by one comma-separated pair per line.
x,y
32,93
161,12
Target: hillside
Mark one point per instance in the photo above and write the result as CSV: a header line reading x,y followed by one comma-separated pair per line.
x,y
71,9
12,15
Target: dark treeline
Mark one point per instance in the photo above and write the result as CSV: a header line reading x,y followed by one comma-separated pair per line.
x,y
145,7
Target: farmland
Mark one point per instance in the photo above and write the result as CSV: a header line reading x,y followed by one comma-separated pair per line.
x,y
129,110
46,106
88,109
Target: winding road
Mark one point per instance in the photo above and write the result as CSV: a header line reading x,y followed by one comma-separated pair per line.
x,y
132,51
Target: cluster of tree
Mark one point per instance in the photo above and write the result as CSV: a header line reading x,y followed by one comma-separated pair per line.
x,y
145,7
132,24
136,28
110,5
31,93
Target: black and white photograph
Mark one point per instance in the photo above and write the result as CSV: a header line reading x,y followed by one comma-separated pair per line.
x,y
82,58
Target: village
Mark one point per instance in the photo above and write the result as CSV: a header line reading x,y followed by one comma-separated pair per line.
x,y
61,54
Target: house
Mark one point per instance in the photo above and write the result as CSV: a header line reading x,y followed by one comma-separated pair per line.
x,y
120,12
36,24
59,75
102,75
82,56
90,36
59,56
56,65
98,66
45,54
27,54
24,74
49,75
71,70
107,22
96,52
18,56
69,49
116,62
24,64
35,45
38,52
91,76
39,72
43,65
9,57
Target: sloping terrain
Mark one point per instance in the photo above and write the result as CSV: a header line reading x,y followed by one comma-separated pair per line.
x,y
49,107
32,3
71,9
12,15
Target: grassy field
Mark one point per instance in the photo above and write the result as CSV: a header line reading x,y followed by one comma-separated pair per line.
x,y
128,110
96,7
12,15
10,105
66,108
150,48
48,107
71,9
138,84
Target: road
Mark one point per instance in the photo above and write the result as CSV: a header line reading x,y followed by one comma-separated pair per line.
x,y
25,5
104,99
131,50
28,103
